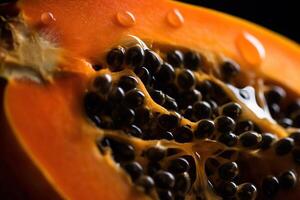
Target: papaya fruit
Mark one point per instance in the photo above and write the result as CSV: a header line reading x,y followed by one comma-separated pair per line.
x,y
145,100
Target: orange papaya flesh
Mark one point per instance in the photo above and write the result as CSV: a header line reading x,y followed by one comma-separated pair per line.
x,y
61,141
202,29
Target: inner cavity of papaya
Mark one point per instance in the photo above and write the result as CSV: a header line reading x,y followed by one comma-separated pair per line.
x,y
189,125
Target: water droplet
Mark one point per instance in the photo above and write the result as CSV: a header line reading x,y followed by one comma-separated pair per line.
x,y
247,97
47,18
250,48
175,18
126,18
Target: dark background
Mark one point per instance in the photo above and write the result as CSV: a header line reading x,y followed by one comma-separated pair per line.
x,y
278,15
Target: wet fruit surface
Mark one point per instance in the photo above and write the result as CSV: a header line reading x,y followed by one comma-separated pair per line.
x,y
182,130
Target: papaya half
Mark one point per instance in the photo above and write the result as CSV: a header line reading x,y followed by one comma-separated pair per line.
x,y
145,100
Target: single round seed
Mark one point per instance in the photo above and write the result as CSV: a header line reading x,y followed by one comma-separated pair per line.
x,y
102,144
167,135
218,94
188,112
274,110
275,95
250,139
134,169
153,167
189,97
192,60
152,61
267,140
93,103
201,110
164,179
227,189
170,89
158,96
192,169
168,121
155,153
284,146
116,95
175,58
122,116
186,79
224,124
182,183
144,74
134,130
247,191
135,56
179,165
270,186
204,128
170,103
143,116
145,182
285,122
183,134
244,126
134,98
166,74
214,107
115,57
228,139
103,83
127,83
228,171
232,110
122,152
229,70
165,195
287,180
206,88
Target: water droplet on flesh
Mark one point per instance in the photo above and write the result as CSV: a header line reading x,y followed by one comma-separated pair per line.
x,y
175,18
251,49
47,18
126,19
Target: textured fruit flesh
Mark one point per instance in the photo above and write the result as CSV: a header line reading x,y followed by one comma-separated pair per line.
x,y
202,30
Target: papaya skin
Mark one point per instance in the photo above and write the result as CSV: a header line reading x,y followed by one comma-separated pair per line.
x,y
203,30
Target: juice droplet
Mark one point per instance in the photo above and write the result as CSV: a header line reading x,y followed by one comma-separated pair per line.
x,y
47,18
175,18
250,48
126,18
